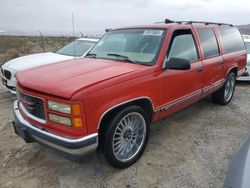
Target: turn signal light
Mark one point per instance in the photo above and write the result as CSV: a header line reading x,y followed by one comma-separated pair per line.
x,y
75,109
76,122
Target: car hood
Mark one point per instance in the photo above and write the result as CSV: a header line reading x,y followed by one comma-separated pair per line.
x,y
35,60
238,175
66,78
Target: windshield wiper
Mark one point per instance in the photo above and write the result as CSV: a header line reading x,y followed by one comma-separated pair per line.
x,y
124,58
91,55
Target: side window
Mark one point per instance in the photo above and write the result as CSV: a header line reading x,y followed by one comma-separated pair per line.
x,y
183,46
208,42
231,38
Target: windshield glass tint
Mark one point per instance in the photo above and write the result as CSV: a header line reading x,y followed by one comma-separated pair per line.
x,y
248,47
138,45
81,47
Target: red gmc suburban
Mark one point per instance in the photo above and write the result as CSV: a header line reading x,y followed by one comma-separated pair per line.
x,y
132,77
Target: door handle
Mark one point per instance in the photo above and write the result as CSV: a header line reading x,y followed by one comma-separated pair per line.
x,y
221,62
200,69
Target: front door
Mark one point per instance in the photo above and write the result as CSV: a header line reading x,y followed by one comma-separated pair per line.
x,y
181,87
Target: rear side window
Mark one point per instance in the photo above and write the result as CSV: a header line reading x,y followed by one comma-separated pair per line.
x,y
208,42
231,38
183,46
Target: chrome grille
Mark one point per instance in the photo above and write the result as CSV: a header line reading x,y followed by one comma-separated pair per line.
x,y
33,105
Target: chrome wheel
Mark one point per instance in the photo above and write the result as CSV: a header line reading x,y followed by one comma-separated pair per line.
x,y
229,88
129,136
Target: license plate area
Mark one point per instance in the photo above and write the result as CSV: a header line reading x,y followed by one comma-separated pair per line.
x,y
22,132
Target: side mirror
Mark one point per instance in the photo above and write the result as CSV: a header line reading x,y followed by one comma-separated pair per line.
x,y
178,64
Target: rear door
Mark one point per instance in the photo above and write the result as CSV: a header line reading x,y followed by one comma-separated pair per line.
x,y
213,64
181,87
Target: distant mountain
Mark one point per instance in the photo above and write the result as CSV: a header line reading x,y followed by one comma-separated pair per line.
x,y
50,33
244,29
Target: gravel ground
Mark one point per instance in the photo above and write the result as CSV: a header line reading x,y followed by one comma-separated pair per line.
x,y
192,148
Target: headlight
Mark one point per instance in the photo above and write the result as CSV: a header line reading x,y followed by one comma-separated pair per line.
x,y
73,111
59,107
73,122
60,119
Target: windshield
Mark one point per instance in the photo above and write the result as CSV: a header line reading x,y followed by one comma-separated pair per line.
x,y
81,47
248,47
140,46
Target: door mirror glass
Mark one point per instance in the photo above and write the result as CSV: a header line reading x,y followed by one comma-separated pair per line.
x,y
178,64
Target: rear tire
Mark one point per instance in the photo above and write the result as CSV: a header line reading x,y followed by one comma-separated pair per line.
x,y
126,137
224,95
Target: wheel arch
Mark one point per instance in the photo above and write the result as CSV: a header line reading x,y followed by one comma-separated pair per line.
x,y
144,102
233,70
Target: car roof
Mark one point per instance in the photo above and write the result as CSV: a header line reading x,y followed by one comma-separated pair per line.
x,y
162,25
88,39
152,26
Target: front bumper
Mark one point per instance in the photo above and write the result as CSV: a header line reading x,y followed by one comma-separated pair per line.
x,y
30,133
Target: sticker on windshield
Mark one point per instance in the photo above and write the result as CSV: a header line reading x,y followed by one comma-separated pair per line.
x,y
153,32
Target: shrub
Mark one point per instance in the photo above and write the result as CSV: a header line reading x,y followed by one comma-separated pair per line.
x,y
12,53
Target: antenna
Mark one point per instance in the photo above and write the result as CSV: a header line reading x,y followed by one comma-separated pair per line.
x,y
73,27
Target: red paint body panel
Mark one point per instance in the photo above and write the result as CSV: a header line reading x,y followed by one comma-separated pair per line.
x,y
53,127
65,79
146,86
99,85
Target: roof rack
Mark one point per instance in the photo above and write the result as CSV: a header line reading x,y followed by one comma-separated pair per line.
x,y
167,21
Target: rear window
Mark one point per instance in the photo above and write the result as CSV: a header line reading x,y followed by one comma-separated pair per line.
x,y
231,38
208,42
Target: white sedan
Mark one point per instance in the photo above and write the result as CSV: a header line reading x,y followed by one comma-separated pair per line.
x,y
77,48
246,75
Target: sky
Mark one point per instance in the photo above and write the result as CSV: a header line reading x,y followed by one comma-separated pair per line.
x,y
93,16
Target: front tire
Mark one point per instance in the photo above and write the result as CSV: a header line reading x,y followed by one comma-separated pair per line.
x,y
224,95
126,137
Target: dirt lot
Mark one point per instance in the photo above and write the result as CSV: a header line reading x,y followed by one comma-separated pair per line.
x,y
192,148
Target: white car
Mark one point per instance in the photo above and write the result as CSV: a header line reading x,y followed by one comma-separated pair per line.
x,y
77,48
246,75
